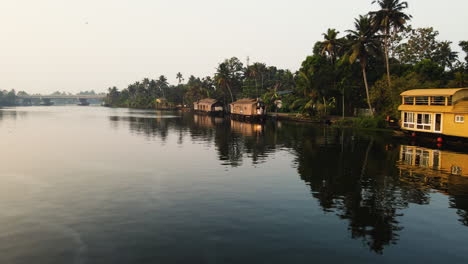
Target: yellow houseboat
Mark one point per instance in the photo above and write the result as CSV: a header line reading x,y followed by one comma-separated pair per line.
x,y
436,111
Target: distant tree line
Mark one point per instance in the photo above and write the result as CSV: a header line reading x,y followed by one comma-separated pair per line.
x,y
10,98
367,66
7,98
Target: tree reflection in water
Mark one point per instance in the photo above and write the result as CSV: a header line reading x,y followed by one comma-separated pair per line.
x,y
367,180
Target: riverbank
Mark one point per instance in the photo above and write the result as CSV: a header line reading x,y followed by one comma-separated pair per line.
x,y
298,117
376,123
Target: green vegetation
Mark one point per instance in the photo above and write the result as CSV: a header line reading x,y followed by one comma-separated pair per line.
x,y
12,98
362,122
7,98
367,67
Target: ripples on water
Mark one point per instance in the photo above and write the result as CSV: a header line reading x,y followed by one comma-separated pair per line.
x,y
98,185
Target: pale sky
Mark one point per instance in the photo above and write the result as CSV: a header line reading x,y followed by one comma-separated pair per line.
x,y
49,45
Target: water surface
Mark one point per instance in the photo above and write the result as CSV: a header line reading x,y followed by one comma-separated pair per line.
x,y
100,185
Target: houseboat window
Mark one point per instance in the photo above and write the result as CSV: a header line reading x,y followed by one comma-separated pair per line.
x,y
436,160
422,100
408,100
409,120
438,100
456,170
422,158
423,121
407,156
449,101
459,119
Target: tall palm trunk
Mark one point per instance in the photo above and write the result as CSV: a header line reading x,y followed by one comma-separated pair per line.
x,y
364,76
262,84
324,104
366,157
387,63
230,92
256,87
343,101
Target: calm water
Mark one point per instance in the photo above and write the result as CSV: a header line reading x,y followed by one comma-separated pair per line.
x,y
98,185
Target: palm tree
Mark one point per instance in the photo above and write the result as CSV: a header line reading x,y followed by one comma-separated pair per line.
x,y
255,71
389,20
252,72
179,77
448,57
223,78
331,44
162,84
363,43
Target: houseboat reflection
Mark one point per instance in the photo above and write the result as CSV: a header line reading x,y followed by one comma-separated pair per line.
x,y
444,171
207,121
433,161
246,129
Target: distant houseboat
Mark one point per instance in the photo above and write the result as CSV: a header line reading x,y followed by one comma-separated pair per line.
x,y
435,111
208,106
163,104
248,109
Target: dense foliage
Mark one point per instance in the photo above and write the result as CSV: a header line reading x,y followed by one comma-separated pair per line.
x,y
367,67
7,98
13,98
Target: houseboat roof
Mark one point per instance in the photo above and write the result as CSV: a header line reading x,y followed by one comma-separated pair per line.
x,y
432,92
245,101
207,101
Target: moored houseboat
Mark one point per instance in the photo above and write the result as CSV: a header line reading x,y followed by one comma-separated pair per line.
x,y
208,106
163,104
249,109
435,112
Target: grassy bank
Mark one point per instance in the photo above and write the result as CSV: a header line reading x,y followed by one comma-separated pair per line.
x,y
363,123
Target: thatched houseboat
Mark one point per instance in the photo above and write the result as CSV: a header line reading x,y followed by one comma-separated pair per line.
x,y
208,106
248,109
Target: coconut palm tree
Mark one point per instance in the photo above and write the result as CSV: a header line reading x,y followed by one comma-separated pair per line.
x,y
229,76
223,78
331,44
256,71
447,56
162,84
390,19
179,77
363,42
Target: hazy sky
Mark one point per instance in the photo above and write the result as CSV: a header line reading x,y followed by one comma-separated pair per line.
x,y
49,45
